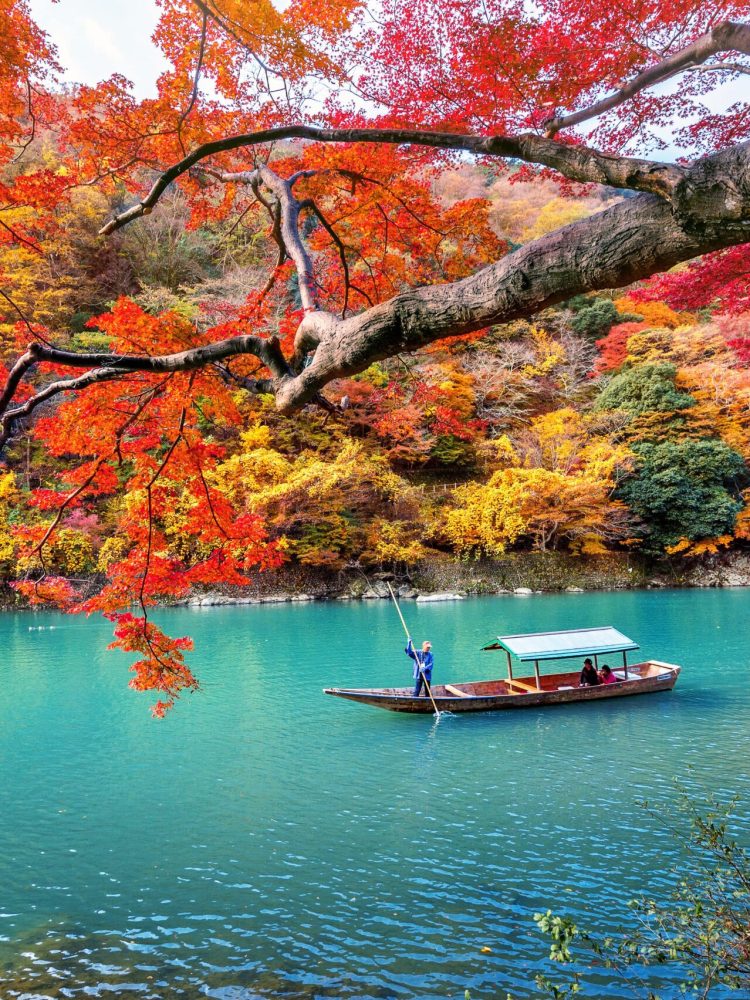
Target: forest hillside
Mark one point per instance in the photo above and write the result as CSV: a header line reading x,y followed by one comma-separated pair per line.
x,y
614,423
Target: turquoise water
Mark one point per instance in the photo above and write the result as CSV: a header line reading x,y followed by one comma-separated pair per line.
x,y
267,841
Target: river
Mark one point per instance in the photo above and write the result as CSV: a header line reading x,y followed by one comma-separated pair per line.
x,y
267,841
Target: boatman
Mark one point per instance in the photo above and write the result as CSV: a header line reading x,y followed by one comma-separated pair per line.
x,y
423,663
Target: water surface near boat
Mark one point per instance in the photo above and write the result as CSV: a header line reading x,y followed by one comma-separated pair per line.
x,y
267,841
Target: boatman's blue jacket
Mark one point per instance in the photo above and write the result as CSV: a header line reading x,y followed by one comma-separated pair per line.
x,y
424,658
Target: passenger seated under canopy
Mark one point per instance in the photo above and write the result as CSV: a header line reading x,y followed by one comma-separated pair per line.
x,y
606,676
589,677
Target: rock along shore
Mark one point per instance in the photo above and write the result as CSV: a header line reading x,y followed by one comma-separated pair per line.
x,y
518,575
445,579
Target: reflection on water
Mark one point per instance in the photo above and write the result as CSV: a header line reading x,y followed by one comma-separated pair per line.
x,y
267,841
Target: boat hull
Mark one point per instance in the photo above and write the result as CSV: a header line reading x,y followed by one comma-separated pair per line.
x,y
497,695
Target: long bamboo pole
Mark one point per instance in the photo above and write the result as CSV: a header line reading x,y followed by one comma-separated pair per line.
x,y
416,654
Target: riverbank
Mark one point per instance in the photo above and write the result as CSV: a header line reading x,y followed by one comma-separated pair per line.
x,y
440,578
447,578
520,574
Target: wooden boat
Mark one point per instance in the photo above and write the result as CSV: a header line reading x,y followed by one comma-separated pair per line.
x,y
537,689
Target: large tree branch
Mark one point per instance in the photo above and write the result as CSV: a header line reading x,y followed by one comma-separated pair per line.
x,y
266,350
725,37
10,417
710,209
632,240
107,367
576,162
289,229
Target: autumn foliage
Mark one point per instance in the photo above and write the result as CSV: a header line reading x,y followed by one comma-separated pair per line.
x,y
162,274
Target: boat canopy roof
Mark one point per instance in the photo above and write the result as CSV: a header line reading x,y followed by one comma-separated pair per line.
x,y
559,645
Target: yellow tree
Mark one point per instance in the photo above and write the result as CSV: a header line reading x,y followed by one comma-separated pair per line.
x,y
8,499
554,486
324,511
544,508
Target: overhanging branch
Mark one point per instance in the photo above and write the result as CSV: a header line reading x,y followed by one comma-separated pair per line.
x,y
576,162
725,37
632,240
108,367
638,237
266,350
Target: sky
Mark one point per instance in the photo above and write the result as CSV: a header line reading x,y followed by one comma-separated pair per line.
x,y
96,38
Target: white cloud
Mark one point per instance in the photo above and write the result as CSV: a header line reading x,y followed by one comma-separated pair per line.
x,y
96,39
103,41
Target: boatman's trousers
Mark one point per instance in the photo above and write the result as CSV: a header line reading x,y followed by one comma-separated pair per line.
x,y
420,683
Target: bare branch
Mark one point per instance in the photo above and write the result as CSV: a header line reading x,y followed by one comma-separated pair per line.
x,y
576,162
196,81
266,350
721,67
11,417
106,367
290,235
725,37
254,385
17,372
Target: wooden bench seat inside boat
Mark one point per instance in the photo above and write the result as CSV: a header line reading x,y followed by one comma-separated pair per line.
x,y
523,685
453,690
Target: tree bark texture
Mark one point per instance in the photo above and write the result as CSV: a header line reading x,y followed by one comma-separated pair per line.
x,y
636,238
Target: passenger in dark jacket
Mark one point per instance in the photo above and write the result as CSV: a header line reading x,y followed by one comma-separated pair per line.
x,y
589,676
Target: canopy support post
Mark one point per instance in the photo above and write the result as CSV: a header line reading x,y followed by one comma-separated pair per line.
x,y
510,666
536,671
596,661
625,662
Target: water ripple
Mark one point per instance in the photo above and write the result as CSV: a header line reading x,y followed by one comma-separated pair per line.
x,y
267,842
